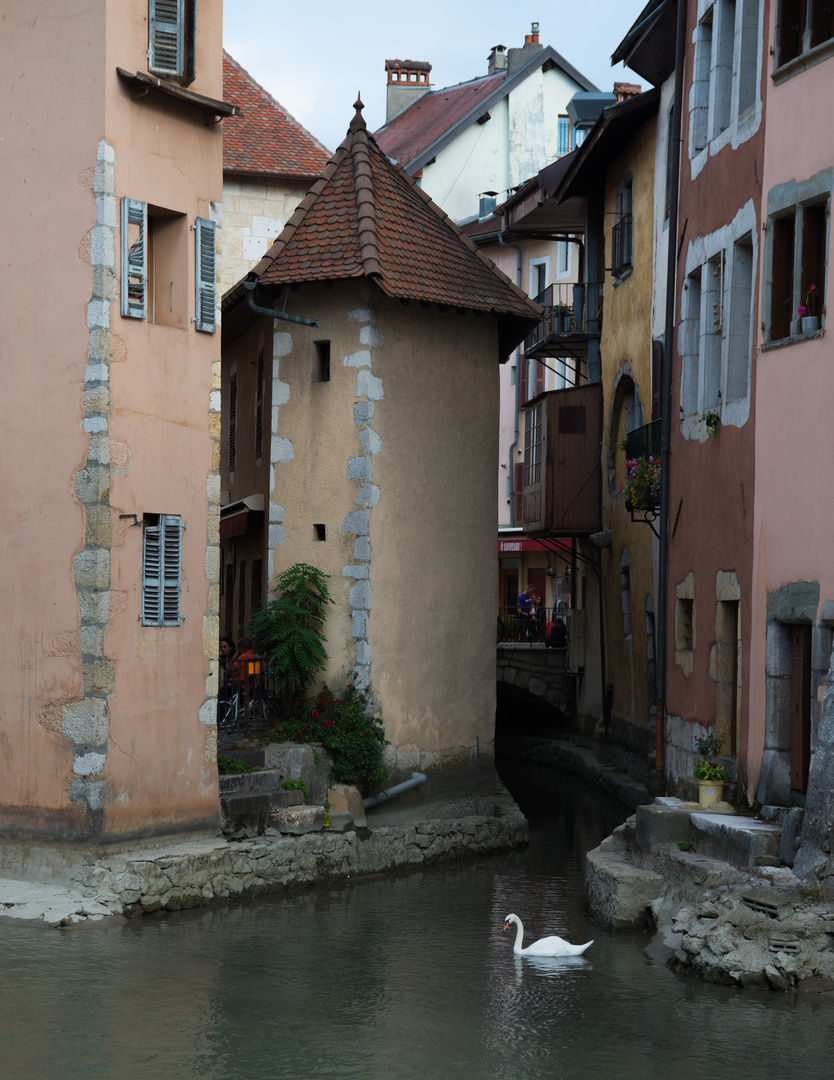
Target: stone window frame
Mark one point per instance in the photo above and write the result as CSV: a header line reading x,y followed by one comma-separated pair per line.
x,y
717,74
722,246
808,55
790,200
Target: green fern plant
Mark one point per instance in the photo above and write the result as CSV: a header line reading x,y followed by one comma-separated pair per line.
x,y
289,631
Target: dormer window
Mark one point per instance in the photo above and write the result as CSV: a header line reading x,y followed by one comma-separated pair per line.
x,y
172,39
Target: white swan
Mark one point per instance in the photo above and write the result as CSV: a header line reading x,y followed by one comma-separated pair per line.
x,y
546,946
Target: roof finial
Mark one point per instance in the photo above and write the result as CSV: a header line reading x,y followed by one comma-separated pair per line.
x,y
358,122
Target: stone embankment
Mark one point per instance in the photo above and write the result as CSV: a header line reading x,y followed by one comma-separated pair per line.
x,y
192,874
713,885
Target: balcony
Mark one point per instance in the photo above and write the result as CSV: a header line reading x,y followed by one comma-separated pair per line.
x,y
572,316
562,472
643,441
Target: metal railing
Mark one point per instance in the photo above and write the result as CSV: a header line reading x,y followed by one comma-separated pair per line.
x,y
517,629
569,309
622,244
643,441
249,703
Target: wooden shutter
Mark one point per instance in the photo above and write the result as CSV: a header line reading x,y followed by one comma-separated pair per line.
x,y
232,421
171,569
518,495
166,37
657,380
134,260
259,407
161,571
151,575
539,379
206,271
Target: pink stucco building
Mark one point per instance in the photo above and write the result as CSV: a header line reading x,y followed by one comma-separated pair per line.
x,y
113,164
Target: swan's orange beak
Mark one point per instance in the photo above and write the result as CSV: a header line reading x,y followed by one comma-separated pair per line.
x,y
506,924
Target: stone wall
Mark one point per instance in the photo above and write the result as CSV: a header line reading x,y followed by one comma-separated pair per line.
x,y
194,875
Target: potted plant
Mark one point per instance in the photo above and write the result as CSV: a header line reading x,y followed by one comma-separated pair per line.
x,y
711,420
641,489
808,319
709,774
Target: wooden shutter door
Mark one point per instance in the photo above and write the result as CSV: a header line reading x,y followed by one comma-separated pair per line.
x,y
206,264
166,37
171,567
134,283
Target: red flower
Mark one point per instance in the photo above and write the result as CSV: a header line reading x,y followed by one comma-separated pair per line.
x,y
329,723
316,715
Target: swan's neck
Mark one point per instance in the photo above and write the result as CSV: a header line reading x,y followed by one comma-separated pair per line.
x,y
519,934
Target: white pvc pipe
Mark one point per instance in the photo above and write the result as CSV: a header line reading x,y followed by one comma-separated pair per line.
x,y
417,778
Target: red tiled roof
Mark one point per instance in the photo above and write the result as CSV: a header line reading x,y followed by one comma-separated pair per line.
x,y
365,217
431,116
266,140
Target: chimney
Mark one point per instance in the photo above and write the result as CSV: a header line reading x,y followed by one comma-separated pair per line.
x,y
517,58
497,60
408,80
623,91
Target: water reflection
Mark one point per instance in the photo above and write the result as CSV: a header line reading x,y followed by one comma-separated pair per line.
x,y
405,976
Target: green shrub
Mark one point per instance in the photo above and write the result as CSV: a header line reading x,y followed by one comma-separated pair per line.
x,y
289,631
344,725
232,766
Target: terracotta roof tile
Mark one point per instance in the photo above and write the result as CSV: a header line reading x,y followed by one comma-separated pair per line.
x,y
431,116
266,140
365,217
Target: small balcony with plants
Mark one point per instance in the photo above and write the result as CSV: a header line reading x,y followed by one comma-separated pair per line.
x,y
641,487
572,317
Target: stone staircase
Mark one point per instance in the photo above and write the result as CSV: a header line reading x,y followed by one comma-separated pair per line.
x,y
247,800
672,852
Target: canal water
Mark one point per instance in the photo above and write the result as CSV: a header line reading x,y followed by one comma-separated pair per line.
x,y
400,977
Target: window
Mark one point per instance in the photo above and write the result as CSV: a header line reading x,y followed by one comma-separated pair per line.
x,y
154,255
797,246
725,72
538,277
563,144
321,371
161,569
172,38
802,25
533,447
622,239
716,337
562,258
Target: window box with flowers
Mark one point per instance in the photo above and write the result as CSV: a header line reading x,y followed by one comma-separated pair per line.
x,y
641,490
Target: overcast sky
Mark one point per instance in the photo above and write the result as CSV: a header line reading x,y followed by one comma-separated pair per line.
x,y
314,55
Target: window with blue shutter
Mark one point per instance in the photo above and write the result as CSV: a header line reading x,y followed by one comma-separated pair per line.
x,y
206,276
172,38
134,259
161,569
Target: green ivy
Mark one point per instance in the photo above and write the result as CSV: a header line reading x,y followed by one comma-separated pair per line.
x,y
296,785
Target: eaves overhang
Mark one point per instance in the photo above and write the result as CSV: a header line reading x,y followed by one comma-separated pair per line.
x,y
141,83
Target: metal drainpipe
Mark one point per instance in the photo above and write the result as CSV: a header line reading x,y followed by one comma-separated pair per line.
x,y
417,778
250,287
666,415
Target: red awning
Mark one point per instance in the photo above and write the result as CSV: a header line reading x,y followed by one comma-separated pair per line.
x,y
234,525
527,543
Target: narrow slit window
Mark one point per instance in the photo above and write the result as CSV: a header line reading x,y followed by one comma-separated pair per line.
x,y
322,368
320,532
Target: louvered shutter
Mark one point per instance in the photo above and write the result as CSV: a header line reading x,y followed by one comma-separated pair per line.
x,y
171,566
232,422
206,263
166,37
161,571
259,407
151,575
134,260
518,496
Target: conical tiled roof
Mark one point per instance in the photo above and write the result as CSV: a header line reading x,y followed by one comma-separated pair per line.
x,y
365,217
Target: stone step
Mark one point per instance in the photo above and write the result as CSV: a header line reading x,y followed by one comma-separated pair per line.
x,y
248,757
264,780
742,842
252,809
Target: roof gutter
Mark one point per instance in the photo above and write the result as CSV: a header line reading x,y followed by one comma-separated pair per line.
x,y
270,313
